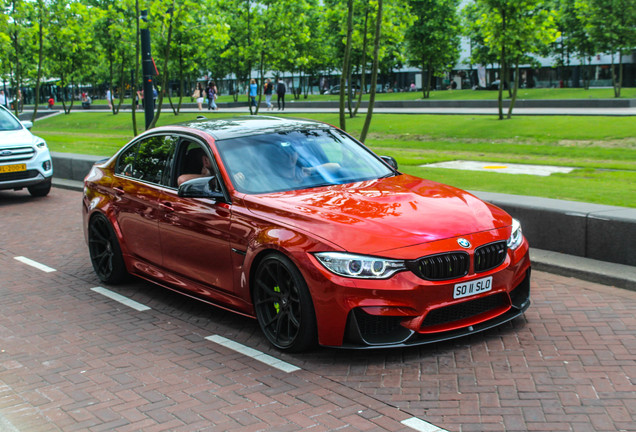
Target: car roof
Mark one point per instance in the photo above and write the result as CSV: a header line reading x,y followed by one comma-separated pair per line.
x,y
235,127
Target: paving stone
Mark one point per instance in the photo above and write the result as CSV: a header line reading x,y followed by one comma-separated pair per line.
x,y
71,359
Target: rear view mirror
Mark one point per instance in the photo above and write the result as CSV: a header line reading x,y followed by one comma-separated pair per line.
x,y
390,161
202,187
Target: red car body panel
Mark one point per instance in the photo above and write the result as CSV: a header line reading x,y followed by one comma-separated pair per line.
x,y
209,250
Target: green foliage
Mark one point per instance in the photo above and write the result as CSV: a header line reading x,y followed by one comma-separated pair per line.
x,y
611,24
603,149
433,40
511,31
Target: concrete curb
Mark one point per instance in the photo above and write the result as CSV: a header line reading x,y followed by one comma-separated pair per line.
x,y
600,232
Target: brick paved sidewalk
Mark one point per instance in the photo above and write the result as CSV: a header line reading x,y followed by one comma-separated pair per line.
x,y
71,359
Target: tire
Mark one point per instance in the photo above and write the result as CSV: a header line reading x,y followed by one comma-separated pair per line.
x,y
283,305
40,190
105,252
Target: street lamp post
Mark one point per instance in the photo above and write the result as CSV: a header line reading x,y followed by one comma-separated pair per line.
x,y
149,70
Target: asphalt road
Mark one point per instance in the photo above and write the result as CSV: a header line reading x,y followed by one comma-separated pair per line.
x,y
73,359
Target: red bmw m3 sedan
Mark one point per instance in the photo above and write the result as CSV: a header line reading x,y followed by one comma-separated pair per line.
x,y
300,226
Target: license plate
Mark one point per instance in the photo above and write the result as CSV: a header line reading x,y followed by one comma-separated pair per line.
x,y
477,286
12,168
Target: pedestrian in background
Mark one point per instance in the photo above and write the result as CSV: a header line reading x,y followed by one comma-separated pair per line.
x,y
281,89
109,99
18,101
253,92
268,89
198,95
3,98
212,92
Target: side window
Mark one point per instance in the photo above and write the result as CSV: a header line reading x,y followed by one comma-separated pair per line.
x,y
194,162
126,162
149,160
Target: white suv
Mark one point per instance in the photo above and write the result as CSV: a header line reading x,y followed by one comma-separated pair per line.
x,y
25,160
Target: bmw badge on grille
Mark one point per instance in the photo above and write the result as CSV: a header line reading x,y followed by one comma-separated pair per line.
x,y
463,243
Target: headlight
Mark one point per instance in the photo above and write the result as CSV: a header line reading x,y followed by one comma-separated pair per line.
x,y
359,266
41,144
515,239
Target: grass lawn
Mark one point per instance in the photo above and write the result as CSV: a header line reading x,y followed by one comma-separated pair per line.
x,y
603,149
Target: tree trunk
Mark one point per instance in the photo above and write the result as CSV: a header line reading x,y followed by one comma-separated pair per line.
x,y
345,65
617,82
429,75
122,83
374,73
514,90
261,68
502,71
110,81
17,76
136,75
164,81
363,63
63,98
40,56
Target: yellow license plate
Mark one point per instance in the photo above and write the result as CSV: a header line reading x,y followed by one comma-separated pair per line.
x,y
12,168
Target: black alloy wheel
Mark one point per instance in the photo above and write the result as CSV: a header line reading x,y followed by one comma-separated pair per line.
x,y
105,252
283,305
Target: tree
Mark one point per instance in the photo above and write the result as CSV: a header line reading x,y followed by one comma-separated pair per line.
x,y
113,37
70,45
512,30
612,26
374,73
18,44
39,17
433,41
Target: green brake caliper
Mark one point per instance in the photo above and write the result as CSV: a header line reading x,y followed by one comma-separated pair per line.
x,y
276,305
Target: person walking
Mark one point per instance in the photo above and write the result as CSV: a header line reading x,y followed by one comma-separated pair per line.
x,y
212,92
109,99
3,98
198,95
253,92
268,89
19,103
281,89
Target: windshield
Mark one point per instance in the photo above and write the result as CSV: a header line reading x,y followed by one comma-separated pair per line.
x,y
8,122
298,160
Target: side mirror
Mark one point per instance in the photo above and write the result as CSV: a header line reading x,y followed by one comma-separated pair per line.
x,y
27,124
203,187
390,161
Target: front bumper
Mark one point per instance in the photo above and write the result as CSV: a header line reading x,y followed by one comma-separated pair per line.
x,y
366,331
39,169
407,310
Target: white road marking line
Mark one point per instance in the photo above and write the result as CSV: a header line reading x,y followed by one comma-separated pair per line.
x,y
35,264
421,425
121,299
255,354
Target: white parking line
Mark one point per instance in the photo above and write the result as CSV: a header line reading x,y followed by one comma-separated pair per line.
x,y
421,425
255,354
121,299
35,264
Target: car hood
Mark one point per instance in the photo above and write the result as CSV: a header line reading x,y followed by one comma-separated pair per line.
x,y
16,138
380,215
